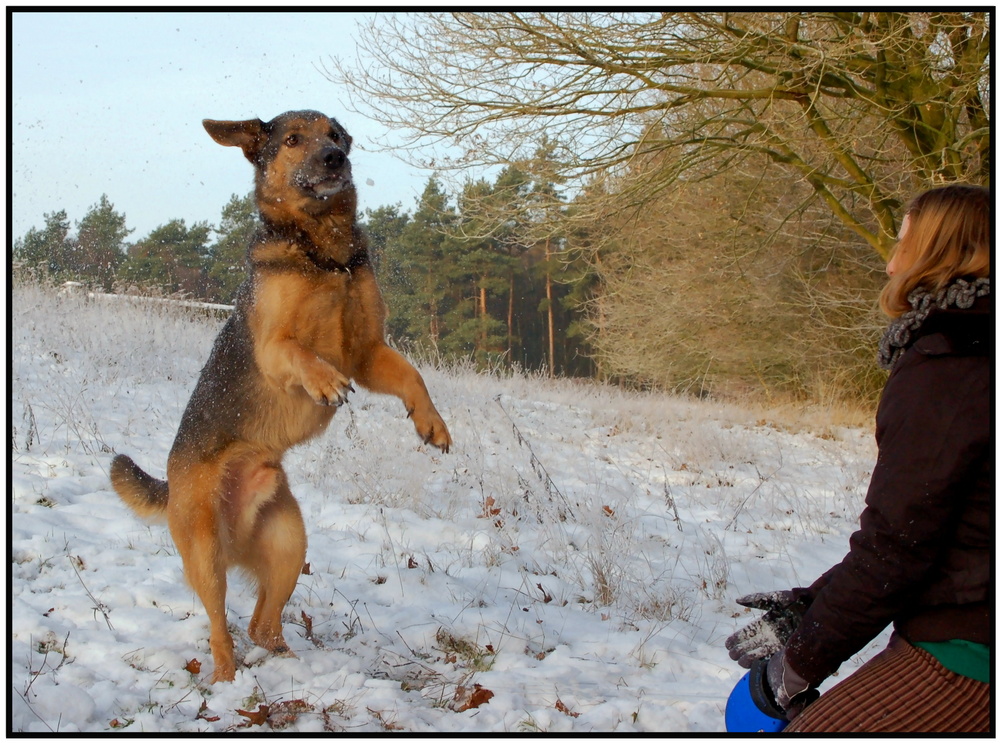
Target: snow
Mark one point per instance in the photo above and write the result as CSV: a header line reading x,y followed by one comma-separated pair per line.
x,y
577,554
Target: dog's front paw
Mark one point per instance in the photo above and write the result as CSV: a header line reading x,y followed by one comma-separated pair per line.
x,y
327,386
432,429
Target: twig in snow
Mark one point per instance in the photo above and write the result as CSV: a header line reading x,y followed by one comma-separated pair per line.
x,y
536,465
32,709
672,503
45,659
98,606
35,674
763,479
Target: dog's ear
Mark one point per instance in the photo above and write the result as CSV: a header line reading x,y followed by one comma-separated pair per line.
x,y
247,135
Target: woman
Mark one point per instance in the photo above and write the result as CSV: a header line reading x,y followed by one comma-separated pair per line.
x,y
921,559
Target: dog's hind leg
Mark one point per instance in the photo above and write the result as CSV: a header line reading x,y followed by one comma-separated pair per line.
x,y
199,531
275,558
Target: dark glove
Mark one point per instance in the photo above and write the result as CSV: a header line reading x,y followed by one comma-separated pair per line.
x,y
764,637
787,689
777,690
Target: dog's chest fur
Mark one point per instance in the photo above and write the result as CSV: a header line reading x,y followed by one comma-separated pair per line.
x,y
327,311
308,307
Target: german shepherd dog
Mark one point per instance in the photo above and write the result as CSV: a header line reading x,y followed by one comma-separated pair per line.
x,y
308,319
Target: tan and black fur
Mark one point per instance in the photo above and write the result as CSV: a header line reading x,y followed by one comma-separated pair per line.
x,y
308,320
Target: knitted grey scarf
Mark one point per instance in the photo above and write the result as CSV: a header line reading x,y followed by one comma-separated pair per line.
x,y
960,294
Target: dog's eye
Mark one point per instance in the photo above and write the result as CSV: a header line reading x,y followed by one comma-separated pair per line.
x,y
291,140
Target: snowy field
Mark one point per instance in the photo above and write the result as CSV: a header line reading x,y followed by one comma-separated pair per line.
x,y
571,565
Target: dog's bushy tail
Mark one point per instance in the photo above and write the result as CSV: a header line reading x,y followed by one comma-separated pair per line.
x,y
143,493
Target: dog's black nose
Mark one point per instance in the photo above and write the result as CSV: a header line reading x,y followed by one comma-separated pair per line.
x,y
333,157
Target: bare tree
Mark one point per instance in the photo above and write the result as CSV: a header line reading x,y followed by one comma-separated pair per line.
x,y
865,107
725,286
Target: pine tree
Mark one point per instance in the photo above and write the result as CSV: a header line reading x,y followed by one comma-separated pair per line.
x,y
171,258
227,267
28,255
545,211
425,258
481,271
384,227
99,248
523,215
507,198
45,251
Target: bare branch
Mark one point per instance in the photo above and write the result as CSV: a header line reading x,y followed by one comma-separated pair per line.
x,y
481,89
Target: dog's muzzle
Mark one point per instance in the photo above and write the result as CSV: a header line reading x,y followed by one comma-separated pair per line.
x,y
326,174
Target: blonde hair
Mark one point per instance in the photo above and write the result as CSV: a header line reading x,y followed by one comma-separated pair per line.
x,y
947,237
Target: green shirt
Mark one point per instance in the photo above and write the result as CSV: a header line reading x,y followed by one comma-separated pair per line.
x,y
970,659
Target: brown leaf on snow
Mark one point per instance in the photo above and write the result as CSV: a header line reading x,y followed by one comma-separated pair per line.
x,y
608,511
411,563
564,709
307,623
201,713
306,569
546,597
480,696
466,698
257,717
193,666
488,509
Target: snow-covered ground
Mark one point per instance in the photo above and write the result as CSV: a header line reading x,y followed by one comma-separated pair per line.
x,y
576,555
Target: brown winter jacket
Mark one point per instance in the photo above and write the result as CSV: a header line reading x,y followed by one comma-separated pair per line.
x,y
922,556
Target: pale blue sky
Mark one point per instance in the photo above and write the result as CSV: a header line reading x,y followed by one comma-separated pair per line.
x,y
112,103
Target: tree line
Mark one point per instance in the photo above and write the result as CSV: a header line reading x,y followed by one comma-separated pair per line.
x,y
199,261
506,299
